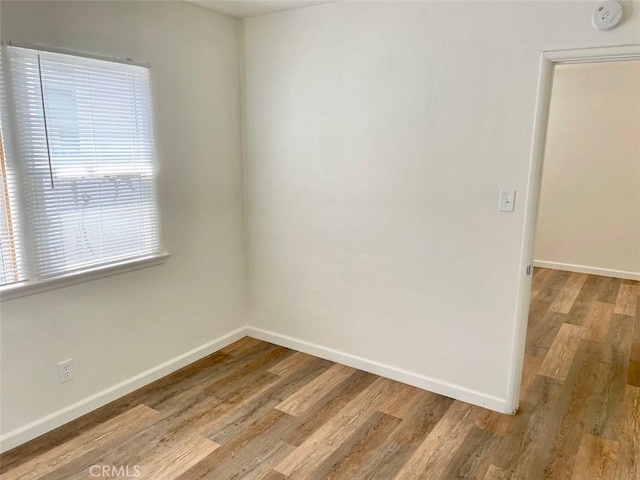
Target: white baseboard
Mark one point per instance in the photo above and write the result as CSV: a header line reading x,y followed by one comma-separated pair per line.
x,y
605,272
411,378
60,417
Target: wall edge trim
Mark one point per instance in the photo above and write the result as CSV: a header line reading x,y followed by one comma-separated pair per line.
x,y
605,272
440,387
49,422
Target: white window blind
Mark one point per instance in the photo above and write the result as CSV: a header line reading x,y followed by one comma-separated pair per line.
x,y
11,255
86,149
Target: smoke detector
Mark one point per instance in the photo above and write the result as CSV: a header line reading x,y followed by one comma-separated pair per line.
x,y
607,15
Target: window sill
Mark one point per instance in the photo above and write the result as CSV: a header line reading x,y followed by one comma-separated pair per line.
x,y
23,289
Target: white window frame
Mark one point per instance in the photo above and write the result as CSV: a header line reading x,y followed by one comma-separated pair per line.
x,y
34,286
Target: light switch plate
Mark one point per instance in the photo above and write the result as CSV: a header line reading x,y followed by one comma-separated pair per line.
x,y
507,200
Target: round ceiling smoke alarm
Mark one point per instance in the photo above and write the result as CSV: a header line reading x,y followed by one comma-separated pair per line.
x,y
607,15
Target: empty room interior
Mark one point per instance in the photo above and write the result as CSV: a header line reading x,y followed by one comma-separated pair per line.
x,y
306,239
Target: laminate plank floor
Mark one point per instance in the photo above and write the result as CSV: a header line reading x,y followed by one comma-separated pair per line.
x,y
259,411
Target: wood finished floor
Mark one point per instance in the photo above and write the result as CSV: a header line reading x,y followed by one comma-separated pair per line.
x,y
259,411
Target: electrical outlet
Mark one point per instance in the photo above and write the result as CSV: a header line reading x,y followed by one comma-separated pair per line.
x,y
65,370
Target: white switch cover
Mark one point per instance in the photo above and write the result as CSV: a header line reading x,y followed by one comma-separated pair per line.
x,y
507,200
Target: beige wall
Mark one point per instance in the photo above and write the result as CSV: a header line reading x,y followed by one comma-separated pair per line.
x,y
118,327
378,135
589,214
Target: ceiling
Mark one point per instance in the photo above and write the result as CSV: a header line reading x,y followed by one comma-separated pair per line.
x,y
250,8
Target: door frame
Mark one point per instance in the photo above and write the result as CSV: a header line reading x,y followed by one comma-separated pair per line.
x,y
548,61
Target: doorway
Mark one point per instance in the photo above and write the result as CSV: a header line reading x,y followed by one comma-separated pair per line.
x,y
549,62
589,208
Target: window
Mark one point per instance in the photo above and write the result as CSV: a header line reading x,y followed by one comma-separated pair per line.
x,y
9,253
78,183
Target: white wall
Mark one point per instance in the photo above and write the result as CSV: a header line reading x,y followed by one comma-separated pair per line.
x,y
377,137
118,327
589,214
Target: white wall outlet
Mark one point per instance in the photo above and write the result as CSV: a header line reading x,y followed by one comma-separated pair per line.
x,y
65,370
507,200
